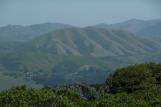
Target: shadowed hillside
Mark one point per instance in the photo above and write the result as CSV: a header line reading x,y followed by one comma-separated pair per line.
x,y
94,42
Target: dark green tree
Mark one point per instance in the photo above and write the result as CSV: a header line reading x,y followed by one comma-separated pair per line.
x,y
130,79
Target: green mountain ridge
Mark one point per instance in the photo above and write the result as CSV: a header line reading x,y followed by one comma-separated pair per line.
x,y
144,28
94,42
24,33
71,55
151,31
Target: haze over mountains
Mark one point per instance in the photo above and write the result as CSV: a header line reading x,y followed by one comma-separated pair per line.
x,y
145,28
23,33
54,53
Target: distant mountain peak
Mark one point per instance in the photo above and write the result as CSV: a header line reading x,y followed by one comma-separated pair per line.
x,y
24,33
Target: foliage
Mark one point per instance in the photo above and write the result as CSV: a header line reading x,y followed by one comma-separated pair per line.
x,y
156,70
32,98
131,78
133,86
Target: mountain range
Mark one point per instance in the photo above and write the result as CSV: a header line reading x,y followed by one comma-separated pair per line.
x,y
92,41
144,28
24,33
55,54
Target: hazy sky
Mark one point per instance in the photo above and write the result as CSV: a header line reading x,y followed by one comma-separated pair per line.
x,y
76,12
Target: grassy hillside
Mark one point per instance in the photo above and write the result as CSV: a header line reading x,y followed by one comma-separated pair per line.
x,y
94,42
74,55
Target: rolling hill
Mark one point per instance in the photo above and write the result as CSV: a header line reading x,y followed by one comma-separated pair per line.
x,y
91,41
69,55
151,31
24,33
144,28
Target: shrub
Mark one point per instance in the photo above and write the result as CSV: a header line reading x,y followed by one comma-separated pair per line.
x,y
130,79
33,98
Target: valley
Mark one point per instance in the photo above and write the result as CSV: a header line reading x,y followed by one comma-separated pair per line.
x,y
59,54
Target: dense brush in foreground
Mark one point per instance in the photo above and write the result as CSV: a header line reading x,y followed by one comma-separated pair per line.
x,y
133,86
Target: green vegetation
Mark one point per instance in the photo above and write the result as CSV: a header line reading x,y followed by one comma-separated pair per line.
x,y
25,33
9,81
133,86
91,41
131,78
57,54
54,54
50,70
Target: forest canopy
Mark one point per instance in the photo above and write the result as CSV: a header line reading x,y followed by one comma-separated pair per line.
x,y
132,86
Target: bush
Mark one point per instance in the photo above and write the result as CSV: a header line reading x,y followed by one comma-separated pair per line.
x,y
69,93
133,86
120,100
152,96
33,98
130,79
156,70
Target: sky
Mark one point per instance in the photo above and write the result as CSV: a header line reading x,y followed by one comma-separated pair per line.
x,y
76,12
